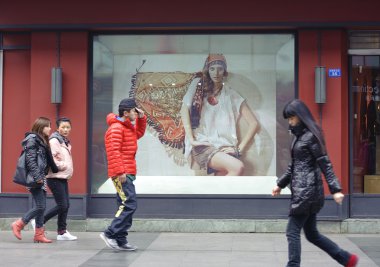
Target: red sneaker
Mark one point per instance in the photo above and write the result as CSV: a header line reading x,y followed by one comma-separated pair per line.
x,y
352,261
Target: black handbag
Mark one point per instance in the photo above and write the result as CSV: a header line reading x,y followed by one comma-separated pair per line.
x,y
21,176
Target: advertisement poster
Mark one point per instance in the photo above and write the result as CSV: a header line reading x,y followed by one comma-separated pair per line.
x,y
205,97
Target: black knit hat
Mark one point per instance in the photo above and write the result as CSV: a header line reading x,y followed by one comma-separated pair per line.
x,y
127,103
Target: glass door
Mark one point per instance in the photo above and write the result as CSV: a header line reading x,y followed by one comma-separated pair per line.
x,y
365,81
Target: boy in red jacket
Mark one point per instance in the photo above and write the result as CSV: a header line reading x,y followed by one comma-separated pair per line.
x,y
121,146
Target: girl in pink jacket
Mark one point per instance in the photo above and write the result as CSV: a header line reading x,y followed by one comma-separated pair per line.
x,y
58,182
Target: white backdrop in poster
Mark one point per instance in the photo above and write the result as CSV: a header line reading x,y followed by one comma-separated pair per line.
x,y
245,185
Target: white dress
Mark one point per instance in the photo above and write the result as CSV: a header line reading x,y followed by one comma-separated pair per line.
x,y
218,123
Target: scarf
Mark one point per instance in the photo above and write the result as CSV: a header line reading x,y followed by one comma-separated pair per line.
x,y
204,87
298,129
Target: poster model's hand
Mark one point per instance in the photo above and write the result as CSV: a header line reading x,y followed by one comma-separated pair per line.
x,y
199,143
229,150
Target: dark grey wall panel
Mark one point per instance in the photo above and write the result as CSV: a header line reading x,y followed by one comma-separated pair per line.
x,y
177,207
365,206
15,205
223,207
12,205
333,211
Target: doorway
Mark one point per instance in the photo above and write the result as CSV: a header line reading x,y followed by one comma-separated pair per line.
x,y
365,81
365,136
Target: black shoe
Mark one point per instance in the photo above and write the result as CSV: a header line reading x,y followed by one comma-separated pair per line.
x,y
127,247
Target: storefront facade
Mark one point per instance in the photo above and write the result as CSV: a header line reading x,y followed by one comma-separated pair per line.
x,y
271,58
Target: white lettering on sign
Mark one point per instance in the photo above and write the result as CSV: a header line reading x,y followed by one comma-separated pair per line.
x,y
334,73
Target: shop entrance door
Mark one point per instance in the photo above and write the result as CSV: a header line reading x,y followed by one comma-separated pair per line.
x,y
365,135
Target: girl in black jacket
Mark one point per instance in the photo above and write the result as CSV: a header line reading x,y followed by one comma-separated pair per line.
x,y
309,158
38,161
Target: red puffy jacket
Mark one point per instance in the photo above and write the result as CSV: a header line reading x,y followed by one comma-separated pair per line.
x,y
121,144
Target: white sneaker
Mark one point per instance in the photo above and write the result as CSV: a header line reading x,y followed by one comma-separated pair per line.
x,y
33,224
66,237
111,243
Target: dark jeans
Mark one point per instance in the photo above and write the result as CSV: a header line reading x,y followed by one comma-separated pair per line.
x,y
37,212
126,199
60,190
309,225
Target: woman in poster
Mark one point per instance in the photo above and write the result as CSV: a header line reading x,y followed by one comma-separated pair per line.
x,y
210,112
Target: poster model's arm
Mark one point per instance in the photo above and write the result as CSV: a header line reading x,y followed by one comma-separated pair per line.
x,y
253,126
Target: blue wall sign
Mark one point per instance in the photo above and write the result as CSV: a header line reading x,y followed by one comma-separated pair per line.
x,y
334,73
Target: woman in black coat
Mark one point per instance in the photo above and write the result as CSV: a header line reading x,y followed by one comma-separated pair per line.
x,y
309,158
38,161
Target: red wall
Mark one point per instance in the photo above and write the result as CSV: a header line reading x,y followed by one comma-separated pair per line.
x,y
16,108
28,82
196,12
27,95
335,110
74,61
27,92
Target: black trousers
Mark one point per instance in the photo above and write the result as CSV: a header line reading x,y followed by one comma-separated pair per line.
x,y
37,212
309,225
60,190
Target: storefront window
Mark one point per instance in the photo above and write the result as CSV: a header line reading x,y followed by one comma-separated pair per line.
x,y
163,72
366,123
1,106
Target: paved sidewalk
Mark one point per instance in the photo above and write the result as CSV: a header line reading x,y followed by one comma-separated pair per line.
x,y
180,250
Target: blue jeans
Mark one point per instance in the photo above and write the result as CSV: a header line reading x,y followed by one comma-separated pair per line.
x,y
39,197
60,190
126,199
309,225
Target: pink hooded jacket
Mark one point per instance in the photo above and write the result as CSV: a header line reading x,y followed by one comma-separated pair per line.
x,y
62,158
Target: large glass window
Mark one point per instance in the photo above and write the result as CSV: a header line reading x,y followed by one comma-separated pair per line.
x,y
167,74
365,73
1,107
